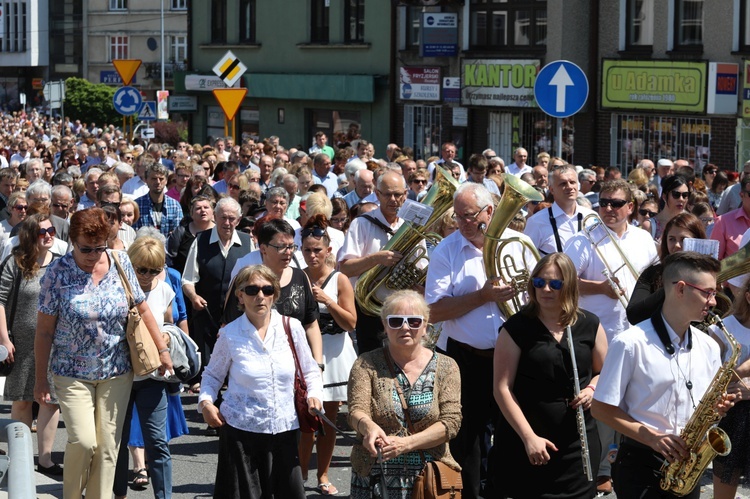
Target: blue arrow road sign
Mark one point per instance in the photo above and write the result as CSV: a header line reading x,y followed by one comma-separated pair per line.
x,y
148,111
561,89
127,100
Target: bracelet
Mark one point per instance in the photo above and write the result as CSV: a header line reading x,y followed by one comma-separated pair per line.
x,y
593,388
163,350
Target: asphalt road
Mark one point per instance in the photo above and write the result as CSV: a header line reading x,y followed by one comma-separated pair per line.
x,y
194,459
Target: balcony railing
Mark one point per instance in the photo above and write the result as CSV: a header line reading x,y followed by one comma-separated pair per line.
x,y
153,69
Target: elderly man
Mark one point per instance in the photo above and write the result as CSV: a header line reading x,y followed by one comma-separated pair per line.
x,y
730,227
34,170
209,263
124,172
362,249
447,154
465,301
350,170
290,183
541,180
136,186
323,175
41,192
519,166
62,199
664,168
156,208
477,173
92,185
363,188
587,181
266,168
648,167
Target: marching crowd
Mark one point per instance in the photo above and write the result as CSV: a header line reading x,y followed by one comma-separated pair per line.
x,y
568,368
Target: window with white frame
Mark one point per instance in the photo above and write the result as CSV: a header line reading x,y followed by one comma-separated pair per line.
x,y
178,50
689,23
118,47
13,30
118,4
510,24
640,23
179,5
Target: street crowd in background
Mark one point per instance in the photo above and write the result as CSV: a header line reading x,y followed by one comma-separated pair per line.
x,y
258,249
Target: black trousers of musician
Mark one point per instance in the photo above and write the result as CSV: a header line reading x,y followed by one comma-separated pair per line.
x,y
636,473
370,331
478,409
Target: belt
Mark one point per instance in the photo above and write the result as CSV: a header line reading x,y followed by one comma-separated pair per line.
x,y
488,353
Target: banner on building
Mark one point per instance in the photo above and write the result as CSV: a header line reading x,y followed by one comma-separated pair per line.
x,y
654,85
420,84
746,90
722,88
439,35
499,82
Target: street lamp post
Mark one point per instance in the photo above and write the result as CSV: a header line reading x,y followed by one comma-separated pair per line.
x,y
161,4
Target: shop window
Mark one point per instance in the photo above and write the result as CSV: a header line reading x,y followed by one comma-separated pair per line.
x,y
532,130
640,24
118,4
422,130
689,24
247,21
341,127
354,17
319,15
218,21
118,47
744,44
514,24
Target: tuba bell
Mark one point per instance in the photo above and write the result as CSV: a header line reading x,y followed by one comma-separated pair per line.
x,y
497,264
374,285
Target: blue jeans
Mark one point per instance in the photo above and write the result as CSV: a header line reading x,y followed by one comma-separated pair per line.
x,y
150,399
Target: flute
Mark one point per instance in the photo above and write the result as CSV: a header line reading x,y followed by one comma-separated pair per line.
x,y
580,420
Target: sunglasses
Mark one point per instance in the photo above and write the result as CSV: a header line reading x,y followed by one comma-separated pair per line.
x,y
314,231
643,212
419,181
20,207
60,206
128,158
539,283
398,321
99,250
614,203
49,230
253,290
675,195
233,186
712,172
146,270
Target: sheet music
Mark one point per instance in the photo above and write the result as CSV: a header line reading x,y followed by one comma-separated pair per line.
x,y
708,247
414,212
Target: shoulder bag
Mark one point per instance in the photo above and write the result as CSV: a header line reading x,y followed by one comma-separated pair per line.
x,y
6,367
143,352
308,423
436,480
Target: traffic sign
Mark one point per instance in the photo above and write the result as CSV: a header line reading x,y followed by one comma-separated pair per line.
x,y
127,100
148,133
561,89
229,69
148,111
126,68
230,100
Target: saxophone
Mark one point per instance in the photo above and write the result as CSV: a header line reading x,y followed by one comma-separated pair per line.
x,y
704,439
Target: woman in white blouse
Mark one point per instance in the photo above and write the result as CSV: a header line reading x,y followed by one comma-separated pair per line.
x,y
258,439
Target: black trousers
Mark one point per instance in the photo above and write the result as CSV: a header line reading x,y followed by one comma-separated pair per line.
x,y
479,410
370,331
636,473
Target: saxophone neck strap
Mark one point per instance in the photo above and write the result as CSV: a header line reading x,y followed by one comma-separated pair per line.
x,y
661,330
380,224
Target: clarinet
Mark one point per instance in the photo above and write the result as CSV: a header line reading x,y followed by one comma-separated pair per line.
x,y
580,421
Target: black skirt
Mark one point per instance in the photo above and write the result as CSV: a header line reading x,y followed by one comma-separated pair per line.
x,y
731,467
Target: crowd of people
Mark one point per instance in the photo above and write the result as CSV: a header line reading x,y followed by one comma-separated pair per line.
x,y
265,256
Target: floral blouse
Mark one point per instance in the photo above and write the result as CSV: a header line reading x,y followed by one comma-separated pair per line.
x,y
89,340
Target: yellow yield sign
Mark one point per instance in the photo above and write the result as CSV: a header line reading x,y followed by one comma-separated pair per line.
x,y
230,69
230,100
126,68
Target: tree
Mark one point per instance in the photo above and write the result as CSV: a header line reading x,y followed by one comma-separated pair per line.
x,y
89,102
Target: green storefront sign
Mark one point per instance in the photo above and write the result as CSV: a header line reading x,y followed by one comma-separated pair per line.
x,y
654,85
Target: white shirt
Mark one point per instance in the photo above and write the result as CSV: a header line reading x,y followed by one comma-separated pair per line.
x,y
135,187
330,182
431,169
539,229
191,274
514,169
159,300
255,258
643,380
260,392
641,252
740,333
456,269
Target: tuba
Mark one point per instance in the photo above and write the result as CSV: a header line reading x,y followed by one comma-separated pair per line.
x,y
704,439
375,284
498,265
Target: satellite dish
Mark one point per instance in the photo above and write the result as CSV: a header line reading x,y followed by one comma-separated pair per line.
x,y
151,44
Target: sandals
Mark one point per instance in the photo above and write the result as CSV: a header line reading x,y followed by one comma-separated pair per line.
x,y
327,489
140,479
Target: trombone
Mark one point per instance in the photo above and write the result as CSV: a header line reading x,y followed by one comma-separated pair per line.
x,y
608,272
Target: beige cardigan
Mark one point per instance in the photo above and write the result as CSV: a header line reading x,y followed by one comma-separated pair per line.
x,y
370,391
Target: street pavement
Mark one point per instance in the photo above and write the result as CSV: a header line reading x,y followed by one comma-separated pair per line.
x,y
194,460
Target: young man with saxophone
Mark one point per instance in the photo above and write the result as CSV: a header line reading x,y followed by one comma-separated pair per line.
x,y
655,375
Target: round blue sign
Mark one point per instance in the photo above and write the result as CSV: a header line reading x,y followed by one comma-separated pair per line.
x,y
561,89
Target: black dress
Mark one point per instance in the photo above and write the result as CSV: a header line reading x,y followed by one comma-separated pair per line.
x,y
543,388
297,299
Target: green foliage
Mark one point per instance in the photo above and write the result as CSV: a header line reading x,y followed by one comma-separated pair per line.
x,y
89,102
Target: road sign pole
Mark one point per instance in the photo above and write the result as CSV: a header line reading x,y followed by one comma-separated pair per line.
x,y
559,137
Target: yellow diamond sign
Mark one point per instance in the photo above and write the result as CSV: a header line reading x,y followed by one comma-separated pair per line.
x,y
230,69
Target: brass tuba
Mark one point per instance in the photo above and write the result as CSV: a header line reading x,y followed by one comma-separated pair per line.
x,y
374,285
502,266
735,265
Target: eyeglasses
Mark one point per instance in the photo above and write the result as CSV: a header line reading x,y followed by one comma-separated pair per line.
x,y
419,181
707,172
314,232
554,284
253,290
284,249
468,217
395,195
128,158
675,195
49,230
20,207
644,212
233,186
98,250
709,293
398,321
614,203
60,206
146,270
339,220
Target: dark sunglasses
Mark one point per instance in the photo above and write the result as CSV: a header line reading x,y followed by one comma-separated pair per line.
x,y
98,249
49,230
709,171
643,212
398,321
314,231
146,270
253,290
539,283
20,207
233,186
418,181
614,203
675,195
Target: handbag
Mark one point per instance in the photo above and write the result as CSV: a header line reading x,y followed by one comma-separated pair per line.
x,y
7,367
436,480
143,352
308,423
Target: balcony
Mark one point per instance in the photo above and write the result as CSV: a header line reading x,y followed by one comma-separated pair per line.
x,y
153,69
